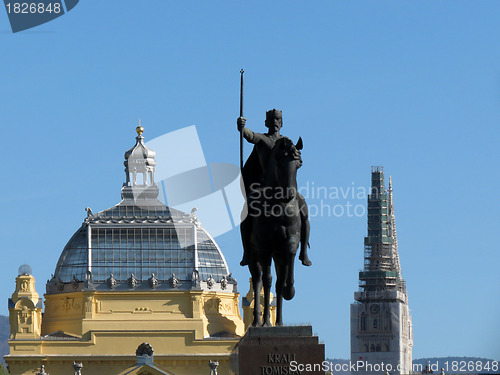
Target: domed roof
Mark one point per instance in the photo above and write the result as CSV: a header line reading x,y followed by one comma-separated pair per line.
x,y
141,244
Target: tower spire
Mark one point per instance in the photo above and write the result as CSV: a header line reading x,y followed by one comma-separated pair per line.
x,y
395,253
382,270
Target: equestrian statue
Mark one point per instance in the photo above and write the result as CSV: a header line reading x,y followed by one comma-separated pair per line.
x,y
275,218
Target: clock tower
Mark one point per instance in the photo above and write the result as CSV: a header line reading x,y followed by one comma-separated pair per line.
x,y
381,328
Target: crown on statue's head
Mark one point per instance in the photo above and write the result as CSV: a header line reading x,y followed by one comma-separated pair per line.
x,y
273,113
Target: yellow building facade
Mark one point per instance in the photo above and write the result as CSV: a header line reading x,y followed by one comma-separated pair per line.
x,y
139,272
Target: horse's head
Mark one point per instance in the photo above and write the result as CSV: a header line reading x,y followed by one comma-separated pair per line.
x,y
285,161
284,148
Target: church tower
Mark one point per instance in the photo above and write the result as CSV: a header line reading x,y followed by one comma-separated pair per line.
x,y
381,328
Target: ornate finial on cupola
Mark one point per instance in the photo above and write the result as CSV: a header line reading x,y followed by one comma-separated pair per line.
x,y
139,129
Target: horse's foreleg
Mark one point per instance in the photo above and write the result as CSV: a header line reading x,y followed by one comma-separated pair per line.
x,y
256,273
267,280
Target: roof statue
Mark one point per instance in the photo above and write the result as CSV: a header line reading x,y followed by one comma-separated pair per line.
x,y
77,366
213,367
144,349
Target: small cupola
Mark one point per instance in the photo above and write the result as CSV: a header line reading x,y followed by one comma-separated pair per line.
x,y
139,170
25,307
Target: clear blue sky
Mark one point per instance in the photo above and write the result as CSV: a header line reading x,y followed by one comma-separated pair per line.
x,y
413,86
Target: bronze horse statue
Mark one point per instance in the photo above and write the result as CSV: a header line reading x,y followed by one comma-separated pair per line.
x,y
277,229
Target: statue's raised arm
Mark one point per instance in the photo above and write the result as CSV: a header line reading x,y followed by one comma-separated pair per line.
x,y
249,135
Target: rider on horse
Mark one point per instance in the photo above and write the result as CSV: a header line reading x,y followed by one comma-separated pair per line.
x,y
253,176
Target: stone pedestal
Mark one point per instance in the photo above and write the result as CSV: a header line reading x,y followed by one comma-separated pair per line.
x,y
278,351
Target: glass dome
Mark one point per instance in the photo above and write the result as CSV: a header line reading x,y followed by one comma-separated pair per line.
x,y
141,240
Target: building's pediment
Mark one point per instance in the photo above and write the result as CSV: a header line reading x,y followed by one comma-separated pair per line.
x,y
145,370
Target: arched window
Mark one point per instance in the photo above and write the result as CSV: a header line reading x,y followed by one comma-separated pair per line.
x,y
363,322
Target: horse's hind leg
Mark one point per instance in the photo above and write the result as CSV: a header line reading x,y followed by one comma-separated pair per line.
x,y
256,272
267,280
